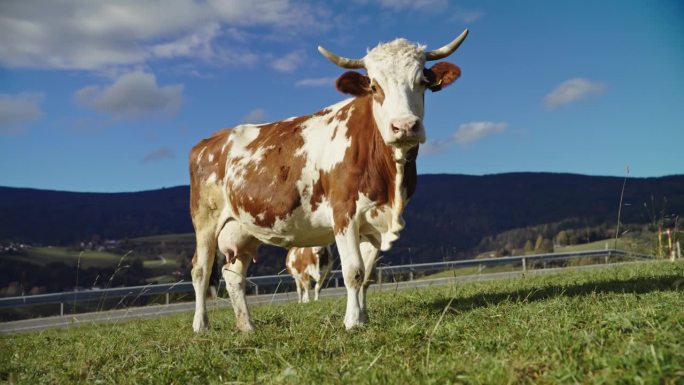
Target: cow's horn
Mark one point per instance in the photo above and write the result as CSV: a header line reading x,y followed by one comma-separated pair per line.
x,y
447,49
341,61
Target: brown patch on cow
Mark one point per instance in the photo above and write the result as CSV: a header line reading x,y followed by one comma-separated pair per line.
x,y
284,172
368,167
378,92
201,168
268,191
318,192
374,213
441,75
323,112
301,258
342,114
353,83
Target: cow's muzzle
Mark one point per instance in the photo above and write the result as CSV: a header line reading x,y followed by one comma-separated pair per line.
x,y
407,130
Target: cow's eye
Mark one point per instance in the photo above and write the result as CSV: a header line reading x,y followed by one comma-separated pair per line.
x,y
374,88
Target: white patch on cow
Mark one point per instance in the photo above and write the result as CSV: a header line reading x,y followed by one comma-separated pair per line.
x,y
321,149
240,156
240,138
313,271
290,119
211,179
210,158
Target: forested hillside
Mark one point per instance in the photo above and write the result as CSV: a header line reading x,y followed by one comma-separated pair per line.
x,y
447,211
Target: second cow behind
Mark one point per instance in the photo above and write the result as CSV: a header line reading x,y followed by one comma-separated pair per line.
x,y
306,263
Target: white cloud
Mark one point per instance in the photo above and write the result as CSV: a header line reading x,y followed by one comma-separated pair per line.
x,y
256,116
159,154
466,133
316,82
279,13
132,95
197,43
470,132
94,35
17,110
289,62
572,90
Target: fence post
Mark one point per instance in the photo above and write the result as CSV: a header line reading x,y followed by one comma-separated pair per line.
x,y
61,308
524,262
337,284
256,289
479,268
411,275
379,277
167,298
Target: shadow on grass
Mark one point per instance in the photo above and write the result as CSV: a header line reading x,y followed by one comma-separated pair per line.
x,y
628,286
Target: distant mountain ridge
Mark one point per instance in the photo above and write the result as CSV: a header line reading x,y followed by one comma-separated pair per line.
x,y
447,211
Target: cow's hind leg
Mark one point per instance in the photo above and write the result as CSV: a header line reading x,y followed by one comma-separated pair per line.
x,y
234,274
239,249
298,283
306,286
202,263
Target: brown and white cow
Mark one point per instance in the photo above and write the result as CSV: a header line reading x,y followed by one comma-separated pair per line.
x,y
307,263
342,174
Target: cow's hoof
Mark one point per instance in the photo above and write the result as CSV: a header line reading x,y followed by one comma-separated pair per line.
x,y
245,327
200,323
363,317
350,324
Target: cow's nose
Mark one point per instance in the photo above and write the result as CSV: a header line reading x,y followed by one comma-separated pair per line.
x,y
405,128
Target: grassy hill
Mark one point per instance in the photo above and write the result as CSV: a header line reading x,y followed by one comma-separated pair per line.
x,y
618,325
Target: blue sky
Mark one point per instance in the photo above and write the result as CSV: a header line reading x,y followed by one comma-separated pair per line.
x,y
111,96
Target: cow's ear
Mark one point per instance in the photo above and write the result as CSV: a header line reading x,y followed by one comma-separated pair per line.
x,y
353,83
441,75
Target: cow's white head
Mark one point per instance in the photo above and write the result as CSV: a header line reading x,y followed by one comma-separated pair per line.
x,y
397,80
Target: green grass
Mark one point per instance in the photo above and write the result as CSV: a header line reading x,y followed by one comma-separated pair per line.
x,y
472,270
45,255
182,237
639,245
612,326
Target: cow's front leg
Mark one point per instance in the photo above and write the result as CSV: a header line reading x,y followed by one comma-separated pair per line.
x,y
369,253
352,272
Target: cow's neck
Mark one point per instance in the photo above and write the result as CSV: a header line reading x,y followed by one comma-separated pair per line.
x,y
397,170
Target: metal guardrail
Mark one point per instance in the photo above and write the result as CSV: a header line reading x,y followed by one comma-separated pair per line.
x,y
335,276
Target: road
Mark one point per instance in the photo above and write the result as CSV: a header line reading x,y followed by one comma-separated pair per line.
x,y
115,316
